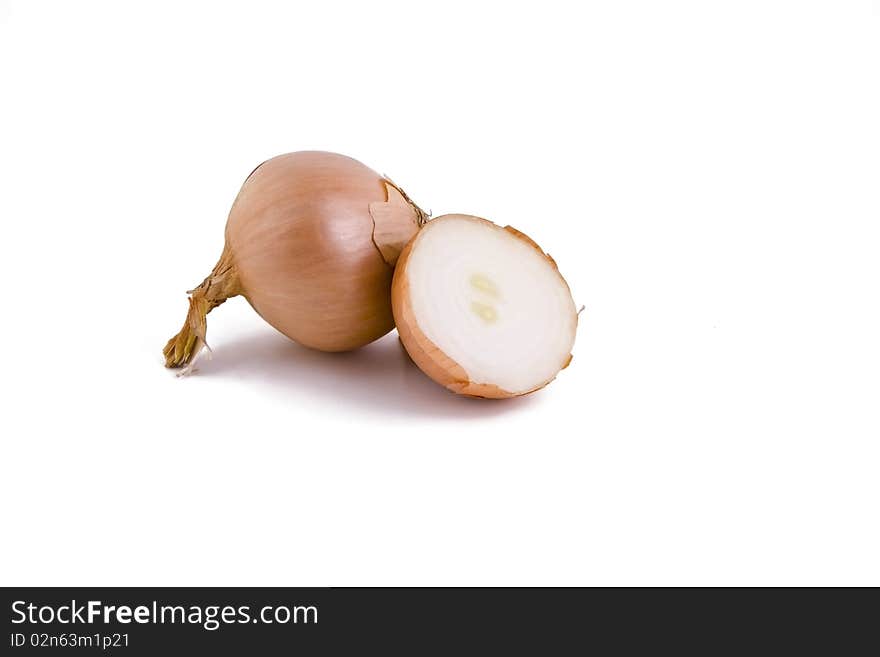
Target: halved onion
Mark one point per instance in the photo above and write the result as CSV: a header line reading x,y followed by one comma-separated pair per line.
x,y
481,309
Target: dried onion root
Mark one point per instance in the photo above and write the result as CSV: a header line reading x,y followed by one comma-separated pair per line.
x,y
481,309
311,241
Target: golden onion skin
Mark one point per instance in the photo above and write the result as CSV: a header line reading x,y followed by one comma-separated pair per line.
x,y
300,232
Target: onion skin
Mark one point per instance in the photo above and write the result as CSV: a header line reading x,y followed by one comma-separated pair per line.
x,y
311,241
427,356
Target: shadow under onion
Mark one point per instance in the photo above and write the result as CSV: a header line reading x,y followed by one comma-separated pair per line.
x,y
379,377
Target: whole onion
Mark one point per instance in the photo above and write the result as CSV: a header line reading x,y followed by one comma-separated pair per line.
x,y
311,242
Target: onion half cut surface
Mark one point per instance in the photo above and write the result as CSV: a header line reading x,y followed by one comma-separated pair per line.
x,y
481,309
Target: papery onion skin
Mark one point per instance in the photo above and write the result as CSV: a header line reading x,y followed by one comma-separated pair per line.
x,y
311,242
427,356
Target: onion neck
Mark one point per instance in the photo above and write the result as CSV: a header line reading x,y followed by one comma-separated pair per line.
x,y
183,349
421,216
395,221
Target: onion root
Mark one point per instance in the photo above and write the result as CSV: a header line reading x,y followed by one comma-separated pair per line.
x,y
220,285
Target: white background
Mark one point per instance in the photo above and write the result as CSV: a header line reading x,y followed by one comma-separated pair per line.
x,y
707,176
